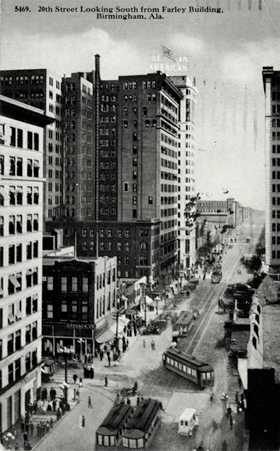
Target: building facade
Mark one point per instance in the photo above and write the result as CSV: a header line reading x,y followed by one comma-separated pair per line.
x,y
186,168
271,81
41,88
21,224
79,298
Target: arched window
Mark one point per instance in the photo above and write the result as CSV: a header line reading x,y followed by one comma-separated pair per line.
x,y
143,246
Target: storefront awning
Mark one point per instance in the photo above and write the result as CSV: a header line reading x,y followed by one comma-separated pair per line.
x,y
108,335
149,301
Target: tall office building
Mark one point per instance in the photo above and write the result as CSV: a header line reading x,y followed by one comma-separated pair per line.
x,y
134,214
78,168
186,169
271,80
41,88
21,223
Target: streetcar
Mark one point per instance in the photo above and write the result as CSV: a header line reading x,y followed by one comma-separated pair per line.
x,y
141,427
188,366
184,323
216,275
109,433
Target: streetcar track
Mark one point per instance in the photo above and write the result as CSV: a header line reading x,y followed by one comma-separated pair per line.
x,y
205,320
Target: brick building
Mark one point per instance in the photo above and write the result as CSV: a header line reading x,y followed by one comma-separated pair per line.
x,y
79,297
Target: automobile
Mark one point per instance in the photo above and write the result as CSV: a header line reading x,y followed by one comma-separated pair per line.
x,y
152,329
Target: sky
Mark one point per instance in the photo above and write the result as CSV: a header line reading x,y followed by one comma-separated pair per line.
x,y
225,54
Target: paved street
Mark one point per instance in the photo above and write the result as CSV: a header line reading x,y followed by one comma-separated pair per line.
x,y
144,365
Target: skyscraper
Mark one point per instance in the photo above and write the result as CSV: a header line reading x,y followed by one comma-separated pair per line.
x,y
21,223
271,80
186,168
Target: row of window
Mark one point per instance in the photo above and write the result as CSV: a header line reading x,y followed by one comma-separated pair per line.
x,y
275,135
22,139
16,167
15,225
14,340
16,195
169,152
275,200
275,254
15,254
15,280
14,368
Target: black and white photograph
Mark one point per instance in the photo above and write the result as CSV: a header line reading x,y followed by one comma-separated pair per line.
x,y
139,221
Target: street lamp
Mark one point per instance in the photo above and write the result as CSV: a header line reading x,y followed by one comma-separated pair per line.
x,y
65,352
117,326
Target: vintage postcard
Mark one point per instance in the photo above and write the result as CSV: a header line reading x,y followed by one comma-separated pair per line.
x,y
155,164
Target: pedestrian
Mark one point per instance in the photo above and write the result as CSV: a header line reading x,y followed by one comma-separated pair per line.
x,y
81,382
25,436
230,422
236,397
101,355
27,427
54,405
89,402
109,360
77,393
31,428
153,346
211,397
144,343
51,422
75,378
127,343
128,402
92,372
47,426
138,400
229,411
74,394
22,424
83,421
106,381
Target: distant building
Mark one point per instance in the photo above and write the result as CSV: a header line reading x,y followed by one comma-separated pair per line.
x,y
271,81
217,218
21,223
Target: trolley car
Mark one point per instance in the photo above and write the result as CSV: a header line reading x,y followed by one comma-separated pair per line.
x,y
110,431
142,425
216,276
189,367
